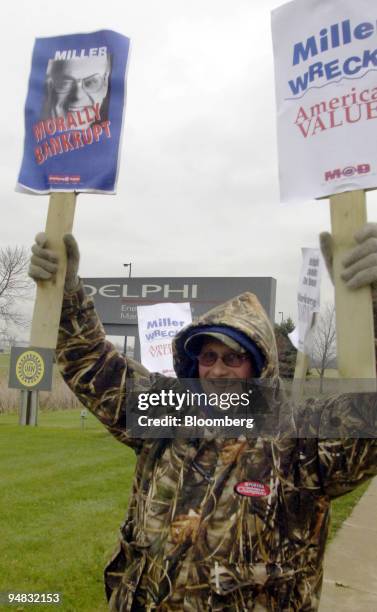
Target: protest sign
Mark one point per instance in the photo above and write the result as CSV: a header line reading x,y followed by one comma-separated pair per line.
x,y
325,57
308,302
158,324
308,299
74,113
73,125
325,60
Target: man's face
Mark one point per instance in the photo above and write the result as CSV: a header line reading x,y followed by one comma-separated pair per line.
x,y
78,83
213,352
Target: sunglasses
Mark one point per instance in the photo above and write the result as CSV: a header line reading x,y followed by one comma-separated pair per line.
x,y
91,84
232,359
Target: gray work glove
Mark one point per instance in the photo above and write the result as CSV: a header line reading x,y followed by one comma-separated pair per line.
x,y
360,263
44,262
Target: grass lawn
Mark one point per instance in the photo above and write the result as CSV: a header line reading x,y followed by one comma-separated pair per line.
x,y
64,492
342,507
63,495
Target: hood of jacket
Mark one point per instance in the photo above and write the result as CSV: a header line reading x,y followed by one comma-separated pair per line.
x,y
244,314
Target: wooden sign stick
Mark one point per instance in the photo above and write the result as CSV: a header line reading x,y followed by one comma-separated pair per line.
x,y
302,364
48,303
354,311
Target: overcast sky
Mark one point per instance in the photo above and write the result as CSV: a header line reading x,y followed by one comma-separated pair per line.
x,y
198,188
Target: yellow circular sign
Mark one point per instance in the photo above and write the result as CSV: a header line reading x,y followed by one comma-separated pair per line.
x,y
30,368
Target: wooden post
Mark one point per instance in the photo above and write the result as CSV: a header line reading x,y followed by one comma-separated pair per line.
x,y
48,303
354,312
302,363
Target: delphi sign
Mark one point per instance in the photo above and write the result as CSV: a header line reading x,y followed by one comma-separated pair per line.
x,y
116,299
325,66
73,113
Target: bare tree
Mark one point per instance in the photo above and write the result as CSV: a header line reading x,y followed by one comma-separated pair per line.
x,y
286,351
15,286
324,342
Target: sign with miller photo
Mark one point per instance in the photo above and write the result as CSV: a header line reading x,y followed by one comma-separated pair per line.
x,y
326,93
73,127
74,113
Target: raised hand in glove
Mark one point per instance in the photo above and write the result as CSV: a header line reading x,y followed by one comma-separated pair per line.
x,y
44,262
360,263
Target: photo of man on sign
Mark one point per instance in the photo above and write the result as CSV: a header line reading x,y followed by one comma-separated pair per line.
x,y
73,124
79,86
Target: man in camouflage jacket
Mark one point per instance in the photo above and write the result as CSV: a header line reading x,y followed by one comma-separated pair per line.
x,y
192,540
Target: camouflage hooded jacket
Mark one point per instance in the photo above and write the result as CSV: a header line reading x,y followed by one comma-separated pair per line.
x,y
190,542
